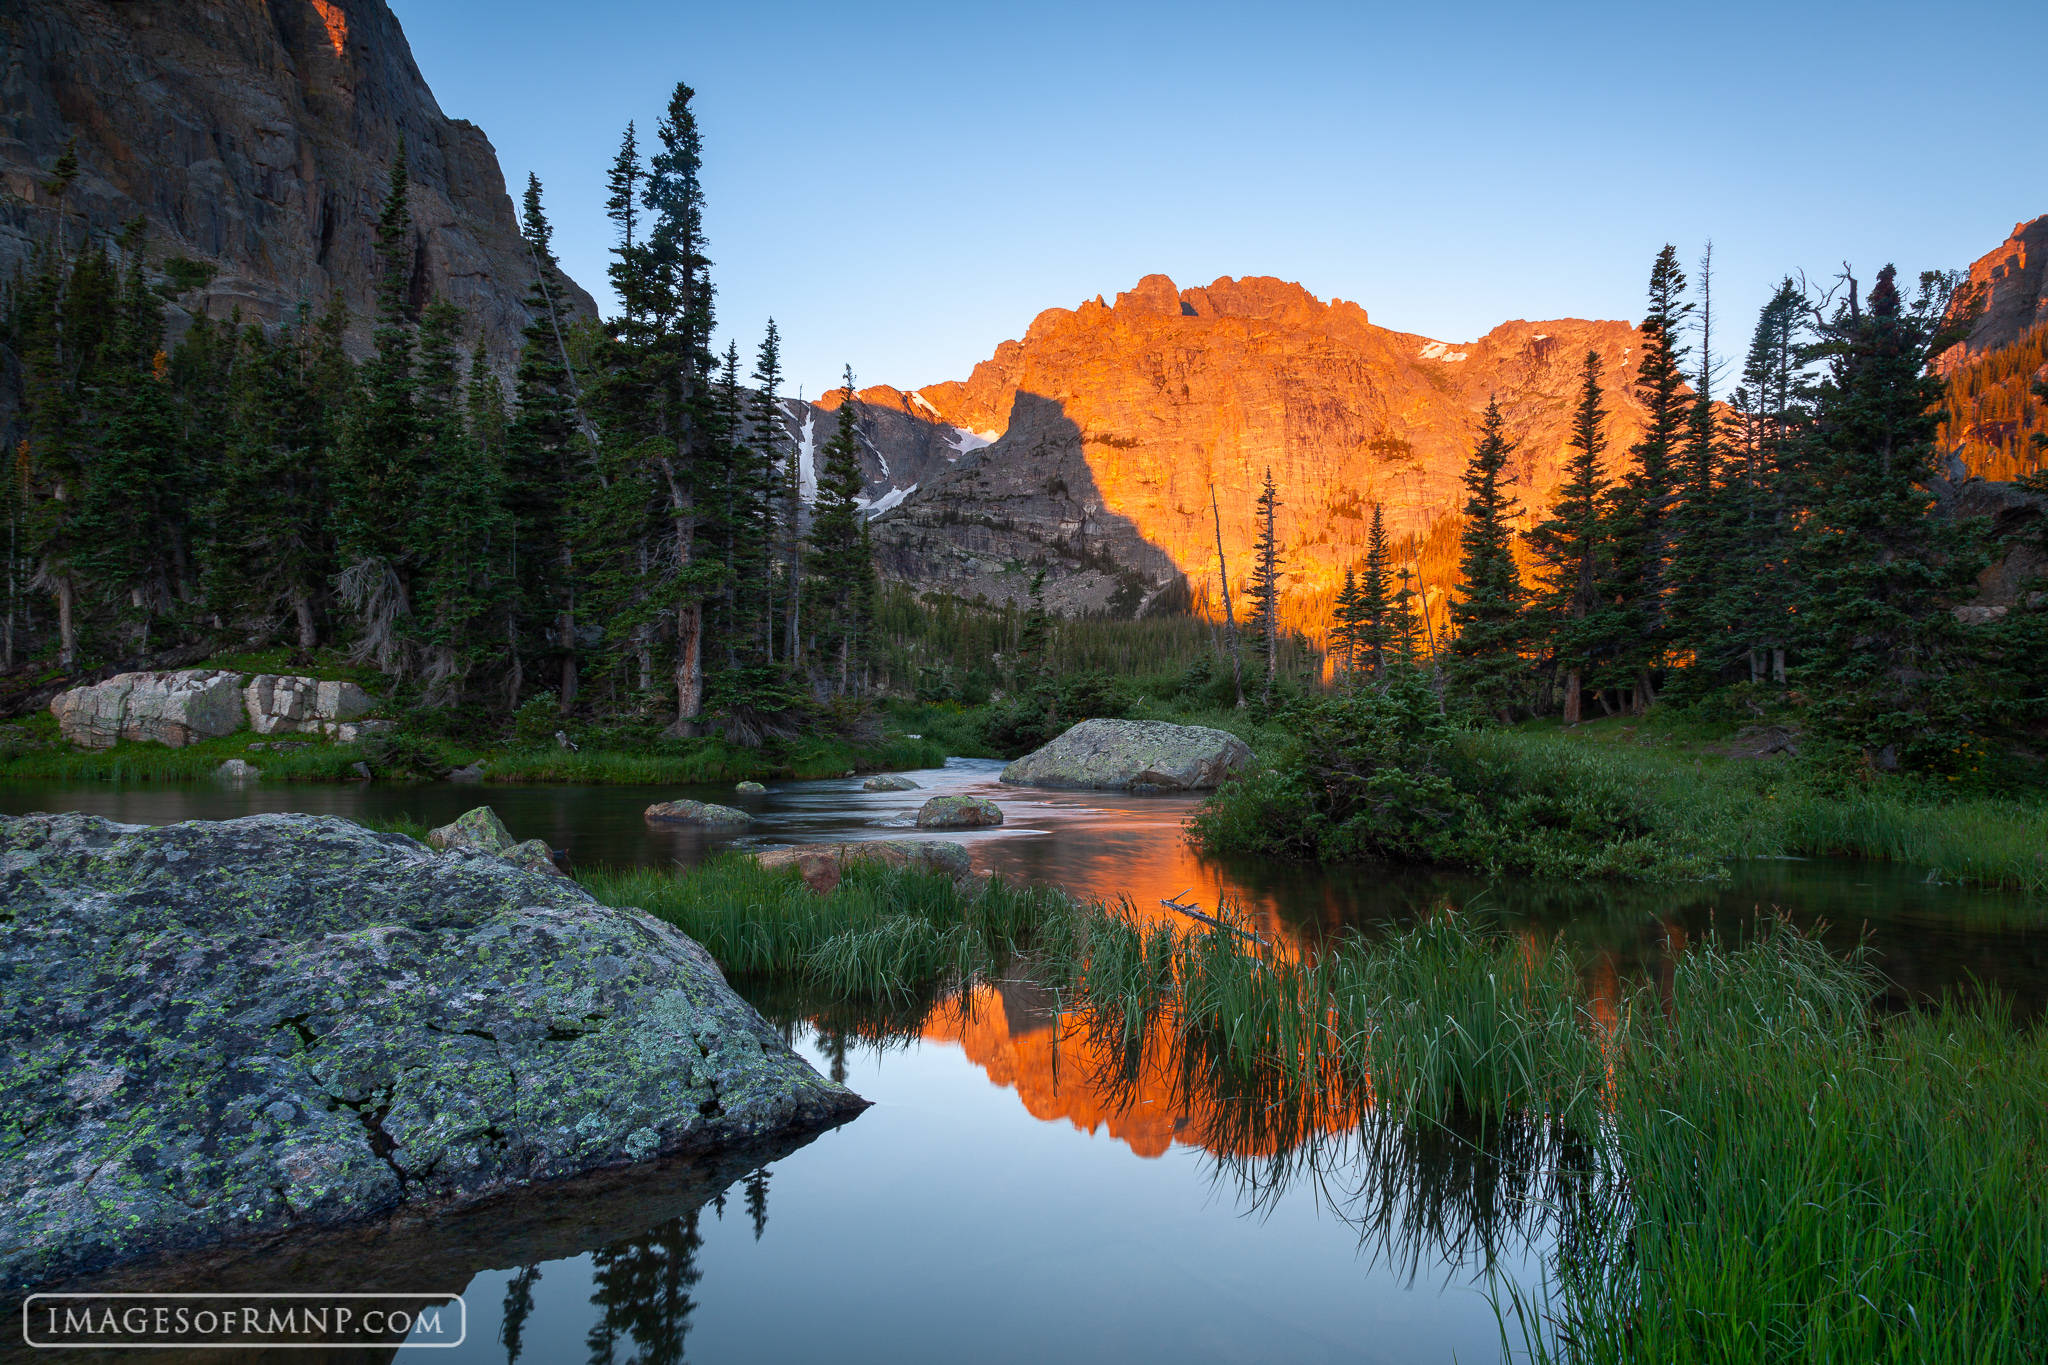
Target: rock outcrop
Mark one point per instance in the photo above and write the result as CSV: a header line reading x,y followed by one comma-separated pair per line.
x,y
173,708
287,704
1115,421
696,813
1132,755
233,1030
959,812
2008,283
256,136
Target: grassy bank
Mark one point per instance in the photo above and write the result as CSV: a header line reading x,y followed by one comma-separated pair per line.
x,y
1757,1166
1388,776
34,749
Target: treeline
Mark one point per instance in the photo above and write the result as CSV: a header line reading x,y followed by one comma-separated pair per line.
x,y
626,527
1785,545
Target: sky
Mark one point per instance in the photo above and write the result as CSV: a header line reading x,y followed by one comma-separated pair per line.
x,y
903,186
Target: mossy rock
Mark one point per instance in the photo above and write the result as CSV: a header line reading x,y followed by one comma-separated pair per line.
x,y
214,1031
696,813
959,812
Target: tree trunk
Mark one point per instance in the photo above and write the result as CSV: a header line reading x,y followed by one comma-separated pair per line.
x,y
67,634
689,666
1778,666
1571,697
302,608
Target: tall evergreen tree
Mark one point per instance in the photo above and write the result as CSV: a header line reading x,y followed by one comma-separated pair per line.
x,y
838,562
1888,660
1486,647
1345,627
1639,505
1762,479
1570,549
1376,627
769,442
379,471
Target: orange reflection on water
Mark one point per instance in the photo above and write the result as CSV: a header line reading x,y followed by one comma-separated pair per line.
x,y
1063,1071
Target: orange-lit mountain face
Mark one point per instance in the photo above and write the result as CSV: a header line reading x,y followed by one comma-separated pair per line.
x,y
1111,424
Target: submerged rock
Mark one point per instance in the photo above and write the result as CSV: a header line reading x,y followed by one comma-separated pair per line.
x,y
696,813
889,782
959,812
173,708
822,864
238,770
217,1031
1132,755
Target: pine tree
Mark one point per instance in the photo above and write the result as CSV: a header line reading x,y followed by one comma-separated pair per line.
x,y
1570,549
1888,660
1486,649
541,464
837,562
379,474
1375,635
779,532
1344,631
1639,505
1264,591
1762,482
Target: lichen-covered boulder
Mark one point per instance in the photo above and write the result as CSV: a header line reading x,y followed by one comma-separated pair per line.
x,y
750,789
216,1030
478,828
173,708
534,855
1132,755
696,813
889,782
959,812
823,864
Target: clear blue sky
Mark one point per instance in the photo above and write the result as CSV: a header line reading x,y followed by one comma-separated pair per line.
x,y
902,186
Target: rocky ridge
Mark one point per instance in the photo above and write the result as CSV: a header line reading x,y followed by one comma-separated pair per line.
x,y
257,137
1112,423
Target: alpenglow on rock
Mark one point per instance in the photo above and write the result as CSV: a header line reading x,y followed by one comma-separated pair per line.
x,y
173,708
219,1030
1132,755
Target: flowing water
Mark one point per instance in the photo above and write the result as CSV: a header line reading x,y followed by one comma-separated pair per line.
x,y
1017,1194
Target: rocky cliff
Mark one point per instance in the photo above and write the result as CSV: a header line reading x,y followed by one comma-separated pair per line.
x,y
256,136
1113,422
2008,282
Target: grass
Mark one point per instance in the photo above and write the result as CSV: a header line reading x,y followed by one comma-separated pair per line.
x,y
884,934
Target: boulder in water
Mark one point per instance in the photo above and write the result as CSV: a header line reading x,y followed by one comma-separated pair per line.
x,y
959,812
696,813
750,789
889,782
227,1030
1132,755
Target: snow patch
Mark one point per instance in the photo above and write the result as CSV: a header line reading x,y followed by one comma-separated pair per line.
x,y
1437,350
885,502
965,440
921,401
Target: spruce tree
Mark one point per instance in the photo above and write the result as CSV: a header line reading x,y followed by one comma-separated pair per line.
x,y
1639,505
379,473
1345,628
1570,550
769,442
1486,647
837,562
1375,635
1887,662
1763,488
1264,591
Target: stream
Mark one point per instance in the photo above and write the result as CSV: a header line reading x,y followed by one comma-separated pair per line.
x,y
1010,1197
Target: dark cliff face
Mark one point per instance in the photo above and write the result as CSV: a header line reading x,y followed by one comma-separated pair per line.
x,y
257,136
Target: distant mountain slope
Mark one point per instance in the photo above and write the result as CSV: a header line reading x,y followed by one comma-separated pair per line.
x,y
1113,422
256,136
